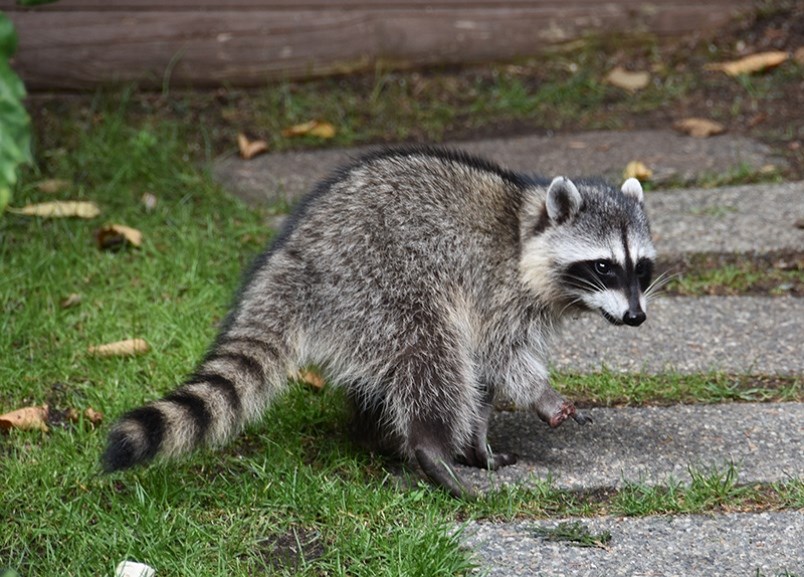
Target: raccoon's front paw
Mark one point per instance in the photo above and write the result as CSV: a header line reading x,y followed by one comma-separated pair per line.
x,y
566,411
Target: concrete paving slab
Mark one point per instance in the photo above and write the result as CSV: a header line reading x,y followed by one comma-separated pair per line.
x,y
769,544
651,445
730,219
756,335
671,156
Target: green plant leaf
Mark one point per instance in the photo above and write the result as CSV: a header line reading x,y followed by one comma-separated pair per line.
x,y
8,38
15,125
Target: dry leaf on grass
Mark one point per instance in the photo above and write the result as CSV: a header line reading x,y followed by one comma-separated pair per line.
x,y
149,201
310,378
90,414
29,418
638,170
72,300
93,416
250,148
750,64
798,55
52,185
699,127
115,236
59,209
631,81
126,348
311,128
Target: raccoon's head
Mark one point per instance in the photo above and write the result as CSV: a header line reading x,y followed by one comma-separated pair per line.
x,y
588,247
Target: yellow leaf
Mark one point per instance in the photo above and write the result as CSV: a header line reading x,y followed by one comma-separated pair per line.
x,y
126,348
29,418
311,128
52,185
116,235
59,209
638,170
750,64
631,81
300,129
699,127
250,148
323,130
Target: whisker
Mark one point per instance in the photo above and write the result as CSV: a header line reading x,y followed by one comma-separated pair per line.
x,y
660,282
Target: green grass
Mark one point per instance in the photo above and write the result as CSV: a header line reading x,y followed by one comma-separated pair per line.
x,y
294,482
574,533
608,388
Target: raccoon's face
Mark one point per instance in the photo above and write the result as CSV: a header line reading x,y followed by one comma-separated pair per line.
x,y
598,248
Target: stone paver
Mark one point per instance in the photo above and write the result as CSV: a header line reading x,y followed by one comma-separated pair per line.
x,y
731,219
759,335
733,545
652,445
287,176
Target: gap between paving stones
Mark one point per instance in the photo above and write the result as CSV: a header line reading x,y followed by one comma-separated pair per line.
x,y
672,157
735,544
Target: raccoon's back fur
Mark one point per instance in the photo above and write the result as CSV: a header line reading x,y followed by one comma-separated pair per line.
x,y
426,282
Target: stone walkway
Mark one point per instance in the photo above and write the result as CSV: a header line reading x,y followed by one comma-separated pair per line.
x,y
671,157
653,445
727,545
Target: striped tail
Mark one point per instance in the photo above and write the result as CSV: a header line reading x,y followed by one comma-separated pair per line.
x,y
232,386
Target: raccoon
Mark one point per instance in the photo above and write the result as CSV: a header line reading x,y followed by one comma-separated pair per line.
x,y
427,283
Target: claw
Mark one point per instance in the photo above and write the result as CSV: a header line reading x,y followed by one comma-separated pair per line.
x,y
581,418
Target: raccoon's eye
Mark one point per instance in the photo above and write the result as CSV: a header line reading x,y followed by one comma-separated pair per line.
x,y
603,267
642,269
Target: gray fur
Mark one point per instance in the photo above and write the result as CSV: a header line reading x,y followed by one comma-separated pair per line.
x,y
426,282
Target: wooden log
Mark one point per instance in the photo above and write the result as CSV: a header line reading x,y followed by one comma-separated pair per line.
x,y
80,44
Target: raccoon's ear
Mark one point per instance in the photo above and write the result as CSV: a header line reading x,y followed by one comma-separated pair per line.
x,y
563,200
631,187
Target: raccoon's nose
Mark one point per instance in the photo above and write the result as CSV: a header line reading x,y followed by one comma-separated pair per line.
x,y
634,318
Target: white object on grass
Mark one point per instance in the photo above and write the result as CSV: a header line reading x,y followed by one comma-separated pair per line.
x,y
134,569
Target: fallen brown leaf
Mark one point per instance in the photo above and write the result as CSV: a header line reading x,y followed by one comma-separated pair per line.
x,y
59,209
93,416
114,236
71,300
631,81
311,128
126,348
638,170
699,127
28,418
310,378
250,148
52,185
798,55
750,64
